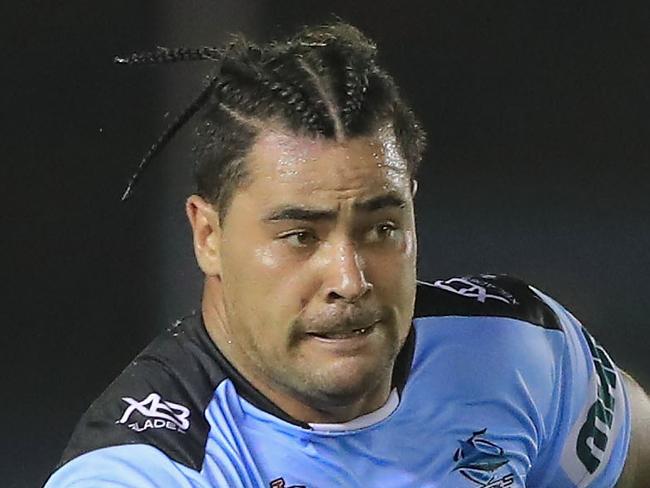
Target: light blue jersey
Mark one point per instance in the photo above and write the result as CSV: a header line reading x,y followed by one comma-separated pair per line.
x,y
497,386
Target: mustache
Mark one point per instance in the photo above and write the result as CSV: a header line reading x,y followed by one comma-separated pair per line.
x,y
337,319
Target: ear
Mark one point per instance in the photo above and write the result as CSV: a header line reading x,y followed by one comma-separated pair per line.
x,y
206,229
414,187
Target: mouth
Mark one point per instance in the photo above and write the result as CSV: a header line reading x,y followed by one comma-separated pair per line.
x,y
342,335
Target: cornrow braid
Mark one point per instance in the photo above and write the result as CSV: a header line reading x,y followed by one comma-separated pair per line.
x,y
356,86
303,106
238,80
168,134
325,100
323,82
171,55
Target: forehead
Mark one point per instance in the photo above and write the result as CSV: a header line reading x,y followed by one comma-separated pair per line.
x,y
283,165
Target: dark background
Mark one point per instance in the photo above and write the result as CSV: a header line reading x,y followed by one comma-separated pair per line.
x,y
538,166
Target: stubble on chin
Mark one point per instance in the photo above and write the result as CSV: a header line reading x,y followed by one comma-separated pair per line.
x,y
341,381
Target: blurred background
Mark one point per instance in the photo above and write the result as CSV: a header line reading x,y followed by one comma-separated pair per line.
x,y
538,166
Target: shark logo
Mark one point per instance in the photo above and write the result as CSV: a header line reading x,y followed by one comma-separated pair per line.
x,y
477,459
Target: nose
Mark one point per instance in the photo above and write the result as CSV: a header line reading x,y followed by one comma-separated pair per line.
x,y
345,278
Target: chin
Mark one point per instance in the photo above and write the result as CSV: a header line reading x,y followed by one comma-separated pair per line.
x,y
343,383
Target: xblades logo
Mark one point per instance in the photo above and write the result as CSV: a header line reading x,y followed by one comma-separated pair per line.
x,y
159,414
467,288
477,459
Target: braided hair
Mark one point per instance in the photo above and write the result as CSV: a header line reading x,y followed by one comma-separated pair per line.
x,y
323,82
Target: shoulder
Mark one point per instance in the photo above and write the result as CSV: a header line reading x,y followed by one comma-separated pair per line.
x,y
158,400
501,342
126,466
509,344
496,336
484,296
495,319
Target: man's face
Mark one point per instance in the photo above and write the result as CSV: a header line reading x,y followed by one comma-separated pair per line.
x,y
318,254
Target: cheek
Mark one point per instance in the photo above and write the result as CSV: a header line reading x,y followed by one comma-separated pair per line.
x,y
277,280
254,261
267,260
394,273
409,245
405,253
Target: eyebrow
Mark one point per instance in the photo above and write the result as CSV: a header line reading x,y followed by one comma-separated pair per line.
x,y
300,212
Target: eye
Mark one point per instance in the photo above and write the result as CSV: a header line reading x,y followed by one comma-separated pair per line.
x,y
382,232
301,238
386,229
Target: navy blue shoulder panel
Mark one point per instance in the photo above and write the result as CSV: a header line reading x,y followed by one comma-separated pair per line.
x,y
159,399
484,295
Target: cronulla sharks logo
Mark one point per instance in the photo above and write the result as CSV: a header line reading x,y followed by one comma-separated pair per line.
x,y
479,460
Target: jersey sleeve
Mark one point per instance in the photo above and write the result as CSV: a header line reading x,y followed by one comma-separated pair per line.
x,y
149,429
127,466
591,437
521,378
140,466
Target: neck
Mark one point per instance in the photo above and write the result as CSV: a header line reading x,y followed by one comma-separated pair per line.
x,y
307,410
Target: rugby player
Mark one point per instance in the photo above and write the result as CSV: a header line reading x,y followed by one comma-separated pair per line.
x,y
318,359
